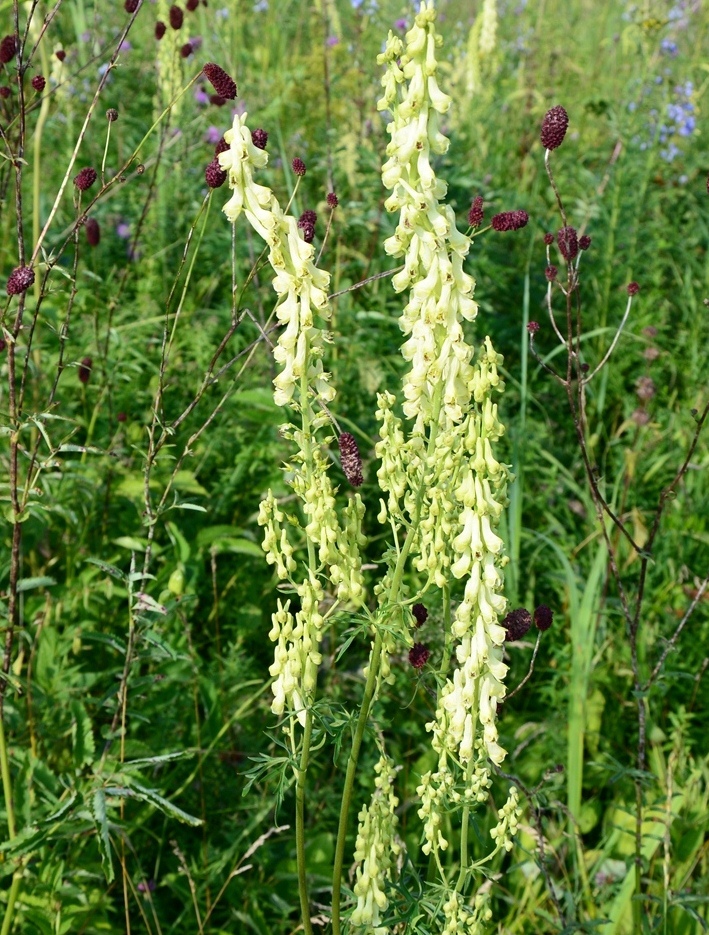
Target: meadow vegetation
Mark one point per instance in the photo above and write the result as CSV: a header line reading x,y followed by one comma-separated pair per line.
x,y
148,783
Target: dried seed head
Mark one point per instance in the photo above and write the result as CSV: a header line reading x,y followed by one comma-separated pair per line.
x,y
584,242
186,50
177,17
350,459
298,167
551,272
192,5
60,54
214,175
548,239
567,241
307,218
19,280
223,84
640,417
221,147
332,200
85,368
131,5
5,92
160,30
259,138
475,215
420,614
111,115
8,49
418,655
543,617
554,127
517,624
93,232
533,327
85,179
510,220
39,83
633,288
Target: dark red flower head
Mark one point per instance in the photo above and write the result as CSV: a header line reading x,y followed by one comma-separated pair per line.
x,y
332,200
476,213
633,288
259,138
85,179
186,50
223,84
554,126
567,241
418,655
307,218
350,459
19,280
221,147
39,83
8,49
93,232
177,17
420,614
5,92
192,5
543,617
584,242
131,5
517,623
548,239
510,220
60,54
160,30
551,272
532,327
85,368
217,100
298,167
308,232
214,175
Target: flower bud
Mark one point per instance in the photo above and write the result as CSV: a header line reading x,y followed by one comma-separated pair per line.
x,y
332,200
554,127
85,178
223,84
475,215
633,288
543,617
551,272
39,82
533,327
298,167
567,241
510,220
548,239
93,232
584,242
19,280
60,54
85,368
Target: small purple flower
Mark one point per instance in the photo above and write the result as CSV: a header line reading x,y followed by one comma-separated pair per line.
x,y
401,24
85,36
125,46
213,135
142,887
669,47
123,230
201,96
333,40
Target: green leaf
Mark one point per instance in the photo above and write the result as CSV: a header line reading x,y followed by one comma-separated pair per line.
x,y
82,736
136,791
108,568
98,812
160,758
29,584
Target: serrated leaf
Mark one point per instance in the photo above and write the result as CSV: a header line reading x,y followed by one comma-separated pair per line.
x,y
82,735
98,812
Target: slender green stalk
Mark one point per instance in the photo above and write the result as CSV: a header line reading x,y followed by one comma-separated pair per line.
x,y
11,831
300,825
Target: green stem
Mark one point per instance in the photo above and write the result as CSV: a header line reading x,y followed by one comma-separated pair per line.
x,y
374,659
373,672
11,832
300,825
